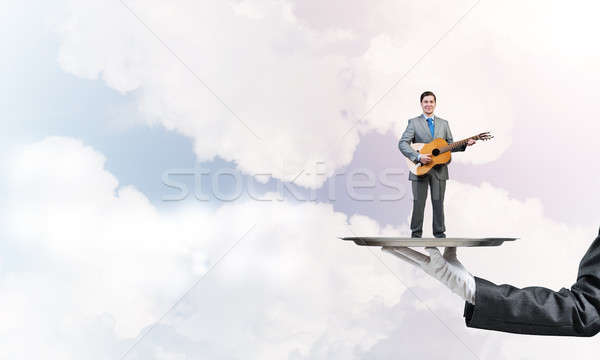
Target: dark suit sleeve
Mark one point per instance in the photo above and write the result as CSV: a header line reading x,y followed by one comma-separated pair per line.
x,y
538,310
449,139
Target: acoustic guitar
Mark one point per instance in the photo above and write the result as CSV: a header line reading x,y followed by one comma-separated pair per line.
x,y
440,151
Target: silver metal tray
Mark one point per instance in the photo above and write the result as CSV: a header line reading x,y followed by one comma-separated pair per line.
x,y
416,242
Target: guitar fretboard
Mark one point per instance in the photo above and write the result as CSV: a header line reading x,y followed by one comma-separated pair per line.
x,y
456,144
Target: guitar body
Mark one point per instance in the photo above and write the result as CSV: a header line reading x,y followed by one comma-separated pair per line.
x,y
430,149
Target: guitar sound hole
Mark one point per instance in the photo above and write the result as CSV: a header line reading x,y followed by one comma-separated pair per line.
x,y
435,152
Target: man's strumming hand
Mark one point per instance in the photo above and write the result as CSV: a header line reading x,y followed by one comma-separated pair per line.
x,y
425,159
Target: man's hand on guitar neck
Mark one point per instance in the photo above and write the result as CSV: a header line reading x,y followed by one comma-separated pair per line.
x,y
470,142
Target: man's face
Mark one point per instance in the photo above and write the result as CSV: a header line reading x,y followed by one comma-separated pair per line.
x,y
428,104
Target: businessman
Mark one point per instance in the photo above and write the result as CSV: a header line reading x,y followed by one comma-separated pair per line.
x,y
423,129
532,310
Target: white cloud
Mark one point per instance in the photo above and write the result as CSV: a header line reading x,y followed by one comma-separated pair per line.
x,y
274,73
296,82
96,256
300,74
90,264
92,239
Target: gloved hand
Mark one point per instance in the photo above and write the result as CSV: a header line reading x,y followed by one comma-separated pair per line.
x,y
447,269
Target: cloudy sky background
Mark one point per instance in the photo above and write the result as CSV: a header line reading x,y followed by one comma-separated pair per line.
x,y
101,100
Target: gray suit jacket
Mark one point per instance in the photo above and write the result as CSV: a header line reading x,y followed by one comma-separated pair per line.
x,y
538,310
417,131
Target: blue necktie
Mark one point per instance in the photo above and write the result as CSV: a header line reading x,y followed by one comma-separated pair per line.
x,y
430,123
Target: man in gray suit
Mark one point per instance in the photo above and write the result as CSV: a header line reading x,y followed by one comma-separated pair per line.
x,y
423,129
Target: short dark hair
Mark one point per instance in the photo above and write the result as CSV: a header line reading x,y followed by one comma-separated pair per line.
x,y
427,93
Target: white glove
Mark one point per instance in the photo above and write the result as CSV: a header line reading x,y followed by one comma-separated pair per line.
x,y
447,269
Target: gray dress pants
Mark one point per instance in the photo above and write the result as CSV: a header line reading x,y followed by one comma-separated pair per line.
x,y
419,190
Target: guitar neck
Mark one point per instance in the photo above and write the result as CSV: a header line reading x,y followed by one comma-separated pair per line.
x,y
457,144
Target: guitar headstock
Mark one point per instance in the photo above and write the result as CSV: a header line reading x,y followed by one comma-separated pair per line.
x,y
484,136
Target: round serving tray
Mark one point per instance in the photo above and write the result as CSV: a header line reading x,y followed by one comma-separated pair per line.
x,y
426,242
